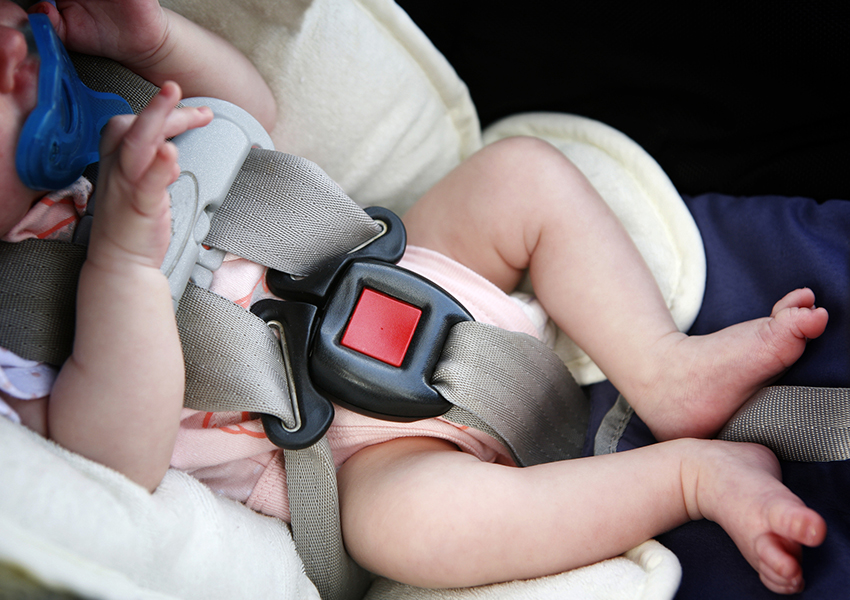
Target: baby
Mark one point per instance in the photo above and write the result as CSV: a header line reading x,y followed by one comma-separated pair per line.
x,y
415,508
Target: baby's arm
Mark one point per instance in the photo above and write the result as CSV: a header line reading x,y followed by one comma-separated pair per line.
x,y
117,399
161,46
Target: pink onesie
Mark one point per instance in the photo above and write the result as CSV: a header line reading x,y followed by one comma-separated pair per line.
x,y
229,451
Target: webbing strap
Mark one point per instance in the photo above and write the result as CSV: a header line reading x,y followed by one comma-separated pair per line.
x,y
612,427
38,291
806,424
105,75
233,360
284,212
315,520
513,384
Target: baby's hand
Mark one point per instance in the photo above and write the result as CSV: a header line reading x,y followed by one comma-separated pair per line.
x,y
128,31
133,217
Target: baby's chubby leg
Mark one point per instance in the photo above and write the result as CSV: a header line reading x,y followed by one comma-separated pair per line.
x,y
520,204
421,512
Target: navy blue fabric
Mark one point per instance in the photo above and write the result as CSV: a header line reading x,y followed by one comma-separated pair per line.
x,y
758,249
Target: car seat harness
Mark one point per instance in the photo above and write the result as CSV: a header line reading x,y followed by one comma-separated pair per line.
x,y
350,326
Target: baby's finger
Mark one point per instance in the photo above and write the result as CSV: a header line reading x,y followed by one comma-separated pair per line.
x,y
144,137
151,195
113,133
49,9
134,217
184,119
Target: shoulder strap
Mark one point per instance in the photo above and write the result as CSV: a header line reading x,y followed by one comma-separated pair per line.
x,y
38,294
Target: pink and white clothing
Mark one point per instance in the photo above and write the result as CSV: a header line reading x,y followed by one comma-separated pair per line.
x,y
229,451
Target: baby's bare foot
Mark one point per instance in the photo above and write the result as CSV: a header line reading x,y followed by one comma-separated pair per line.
x,y
703,380
738,486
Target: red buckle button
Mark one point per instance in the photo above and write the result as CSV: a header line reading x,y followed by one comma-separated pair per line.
x,y
381,327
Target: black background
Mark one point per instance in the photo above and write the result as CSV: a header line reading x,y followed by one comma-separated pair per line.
x,y
742,98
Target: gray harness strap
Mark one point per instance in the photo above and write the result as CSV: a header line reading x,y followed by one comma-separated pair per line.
x,y
612,427
105,75
804,424
807,424
513,385
38,296
233,360
315,520
284,212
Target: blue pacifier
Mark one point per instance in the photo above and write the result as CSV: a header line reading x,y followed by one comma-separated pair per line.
x,y
60,137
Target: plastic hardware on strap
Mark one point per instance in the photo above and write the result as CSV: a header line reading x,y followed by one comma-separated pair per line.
x,y
312,414
61,135
366,334
386,243
807,424
38,292
210,161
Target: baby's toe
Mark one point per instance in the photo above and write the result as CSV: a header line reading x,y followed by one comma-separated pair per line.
x,y
797,523
803,297
779,564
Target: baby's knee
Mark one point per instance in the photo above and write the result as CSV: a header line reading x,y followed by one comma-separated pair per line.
x,y
534,163
523,151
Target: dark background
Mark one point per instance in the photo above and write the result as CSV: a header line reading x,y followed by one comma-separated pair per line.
x,y
742,98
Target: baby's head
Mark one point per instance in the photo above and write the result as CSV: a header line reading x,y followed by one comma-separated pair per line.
x,y
18,96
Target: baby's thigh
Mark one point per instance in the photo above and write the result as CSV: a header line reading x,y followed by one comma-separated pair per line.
x,y
489,211
393,503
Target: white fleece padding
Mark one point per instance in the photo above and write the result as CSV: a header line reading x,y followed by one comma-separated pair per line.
x,y
361,91
642,196
648,572
75,524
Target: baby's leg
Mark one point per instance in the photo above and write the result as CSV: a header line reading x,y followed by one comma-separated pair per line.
x,y
520,204
418,511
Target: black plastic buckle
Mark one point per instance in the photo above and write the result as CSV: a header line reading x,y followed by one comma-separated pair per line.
x,y
361,332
